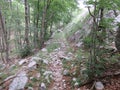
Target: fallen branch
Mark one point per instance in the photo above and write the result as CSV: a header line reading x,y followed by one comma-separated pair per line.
x,y
10,77
7,79
93,86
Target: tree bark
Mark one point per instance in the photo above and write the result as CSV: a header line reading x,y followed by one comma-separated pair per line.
x,y
4,37
26,24
117,39
44,25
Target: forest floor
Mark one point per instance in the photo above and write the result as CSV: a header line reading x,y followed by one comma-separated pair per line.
x,y
59,61
54,66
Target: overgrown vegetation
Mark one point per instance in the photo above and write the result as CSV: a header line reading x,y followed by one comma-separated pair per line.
x,y
27,24
96,44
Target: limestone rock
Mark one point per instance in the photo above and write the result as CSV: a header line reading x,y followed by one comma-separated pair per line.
x,y
22,61
43,86
35,58
45,61
117,19
76,84
44,50
30,88
74,79
38,75
19,82
66,72
31,64
99,86
79,44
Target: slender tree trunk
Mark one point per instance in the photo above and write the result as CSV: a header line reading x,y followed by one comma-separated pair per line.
x,y
36,21
117,39
44,22
26,24
4,32
51,32
42,33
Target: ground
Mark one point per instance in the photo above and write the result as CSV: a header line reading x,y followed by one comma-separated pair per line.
x,y
57,66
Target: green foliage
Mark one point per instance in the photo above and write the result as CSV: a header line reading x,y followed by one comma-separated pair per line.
x,y
52,47
87,41
97,59
25,51
95,70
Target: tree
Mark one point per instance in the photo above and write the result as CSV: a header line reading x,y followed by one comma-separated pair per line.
x,y
4,40
26,24
96,62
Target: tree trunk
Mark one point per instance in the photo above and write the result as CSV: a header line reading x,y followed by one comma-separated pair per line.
x,y
117,39
4,37
26,24
44,23
36,23
42,33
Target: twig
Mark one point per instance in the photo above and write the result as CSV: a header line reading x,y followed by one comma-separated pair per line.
x,y
93,86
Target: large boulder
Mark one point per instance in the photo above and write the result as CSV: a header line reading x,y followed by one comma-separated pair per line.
x,y
19,82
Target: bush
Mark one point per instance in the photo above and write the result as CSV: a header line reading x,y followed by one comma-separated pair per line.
x,y
87,41
52,46
25,51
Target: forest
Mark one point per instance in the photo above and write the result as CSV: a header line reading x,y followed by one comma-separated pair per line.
x,y
59,44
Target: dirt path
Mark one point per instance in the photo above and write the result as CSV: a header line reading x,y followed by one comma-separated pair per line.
x,y
56,68
56,65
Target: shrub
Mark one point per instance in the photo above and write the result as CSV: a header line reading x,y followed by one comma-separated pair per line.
x,y
87,41
25,51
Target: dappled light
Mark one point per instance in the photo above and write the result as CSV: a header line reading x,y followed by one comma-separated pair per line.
x,y
59,45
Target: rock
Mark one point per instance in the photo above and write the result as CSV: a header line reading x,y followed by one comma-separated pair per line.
x,y
19,82
76,84
83,57
74,79
36,59
22,61
66,72
70,55
117,19
99,86
74,73
38,75
31,78
44,50
43,86
64,85
45,61
79,44
47,75
31,64
30,88
63,81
